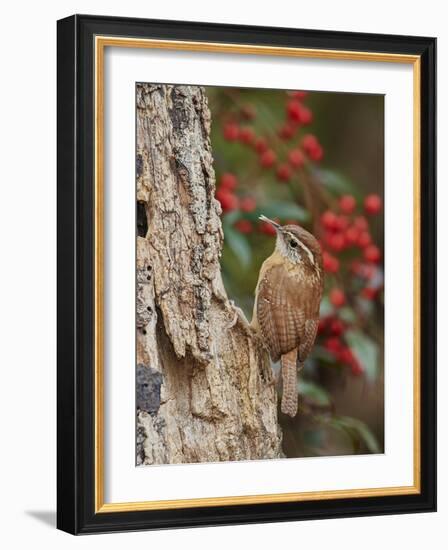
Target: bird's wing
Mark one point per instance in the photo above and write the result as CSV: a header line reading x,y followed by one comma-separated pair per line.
x,y
281,315
307,339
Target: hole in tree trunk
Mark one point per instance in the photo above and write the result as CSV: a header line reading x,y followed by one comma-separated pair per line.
x,y
142,221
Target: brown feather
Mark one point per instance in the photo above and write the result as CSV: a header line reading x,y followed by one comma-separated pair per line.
x,y
289,375
287,311
308,338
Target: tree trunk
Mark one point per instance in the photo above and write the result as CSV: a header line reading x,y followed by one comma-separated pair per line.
x,y
205,390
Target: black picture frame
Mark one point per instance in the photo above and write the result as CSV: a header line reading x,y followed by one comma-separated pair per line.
x,y
75,226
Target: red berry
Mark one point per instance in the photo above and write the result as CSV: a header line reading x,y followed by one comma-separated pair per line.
x,y
323,322
248,204
312,147
316,153
347,204
329,220
336,327
372,253
364,239
283,172
247,135
244,226
352,235
331,264
306,115
231,131
345,356
361,223
268,158
287,131
336,241
228,200
372,204
261,145
267,228
298,94
333,344
298,112
337,297
293,108
296,158
309,141
356,368
228,181
369,293
341,222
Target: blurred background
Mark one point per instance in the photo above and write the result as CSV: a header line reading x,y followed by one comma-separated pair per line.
x,y
315,159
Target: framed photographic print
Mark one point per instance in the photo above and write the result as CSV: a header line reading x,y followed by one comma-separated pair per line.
x,y
246,274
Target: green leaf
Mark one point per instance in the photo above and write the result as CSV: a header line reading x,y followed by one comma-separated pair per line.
x,y
357,429
321,354
347,314
231,217
335,182
325,307
365,306
284,210
365,350
239,245
314,392
314,438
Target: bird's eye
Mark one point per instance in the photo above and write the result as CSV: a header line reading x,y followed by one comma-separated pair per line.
x,y
292,243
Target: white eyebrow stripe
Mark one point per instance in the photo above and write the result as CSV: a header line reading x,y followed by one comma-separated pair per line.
x,y
307,250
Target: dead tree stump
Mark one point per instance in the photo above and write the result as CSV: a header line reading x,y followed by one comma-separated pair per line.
x,y
205,390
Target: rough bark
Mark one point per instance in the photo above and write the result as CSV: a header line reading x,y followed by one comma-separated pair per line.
x,y
205,390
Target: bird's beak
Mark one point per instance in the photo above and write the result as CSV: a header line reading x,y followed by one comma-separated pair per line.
x,y
272,222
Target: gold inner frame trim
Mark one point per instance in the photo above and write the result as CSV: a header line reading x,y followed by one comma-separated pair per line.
x,y
101,42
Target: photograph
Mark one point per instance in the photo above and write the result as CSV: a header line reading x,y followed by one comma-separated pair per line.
x,y
246,249
259,274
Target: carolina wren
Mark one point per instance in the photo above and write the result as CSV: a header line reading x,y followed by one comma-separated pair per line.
x,y
287,300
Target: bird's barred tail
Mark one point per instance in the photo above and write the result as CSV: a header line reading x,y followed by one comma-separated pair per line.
x,y
289,376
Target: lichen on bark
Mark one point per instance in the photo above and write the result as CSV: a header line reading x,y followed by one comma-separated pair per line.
x,y
209,393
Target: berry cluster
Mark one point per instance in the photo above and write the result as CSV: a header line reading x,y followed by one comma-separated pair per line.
x,y
332,330
230,201
306,148
226,192
344,229
347,229
271,152
287,155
